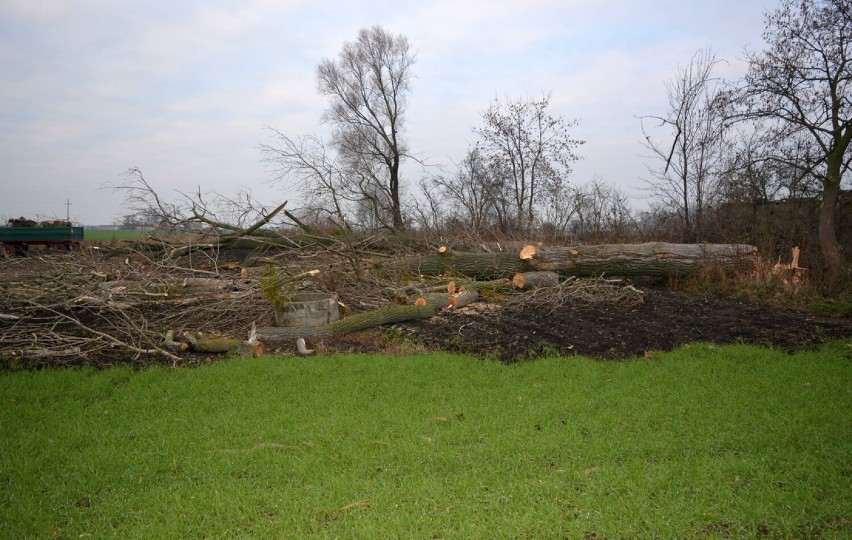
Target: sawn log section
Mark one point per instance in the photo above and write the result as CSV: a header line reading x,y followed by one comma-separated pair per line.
x,y
649,259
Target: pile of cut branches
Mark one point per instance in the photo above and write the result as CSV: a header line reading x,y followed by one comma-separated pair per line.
x,y
581,291
88,308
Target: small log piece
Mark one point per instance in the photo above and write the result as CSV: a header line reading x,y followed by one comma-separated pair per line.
x,y
463,298
200,343
534,280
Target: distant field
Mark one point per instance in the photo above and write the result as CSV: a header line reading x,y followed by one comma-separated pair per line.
x,y
704,442
111,235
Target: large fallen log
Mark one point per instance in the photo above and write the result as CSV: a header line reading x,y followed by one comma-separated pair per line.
x,y
473,265
275,336
656,259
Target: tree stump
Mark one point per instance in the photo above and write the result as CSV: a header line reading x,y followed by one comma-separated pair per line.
x,y
308,309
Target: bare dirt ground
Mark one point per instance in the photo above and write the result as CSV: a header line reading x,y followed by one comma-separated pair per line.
x,y
665,320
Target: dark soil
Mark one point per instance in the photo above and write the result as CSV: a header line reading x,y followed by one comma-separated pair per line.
x,y
664,321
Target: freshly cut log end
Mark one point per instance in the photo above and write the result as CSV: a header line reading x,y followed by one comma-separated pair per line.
x,y
528,252
451,287
443,249
420,302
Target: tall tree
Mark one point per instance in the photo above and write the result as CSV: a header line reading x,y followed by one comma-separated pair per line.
x,y
367,86
684,182
528,149
803,82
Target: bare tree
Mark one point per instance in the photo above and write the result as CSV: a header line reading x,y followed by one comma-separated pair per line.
x,y
602,213
684,181
307,161
752,173
367,85
527,149
471,194
803,81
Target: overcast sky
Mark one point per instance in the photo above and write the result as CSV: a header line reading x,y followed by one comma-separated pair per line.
x,y
183,89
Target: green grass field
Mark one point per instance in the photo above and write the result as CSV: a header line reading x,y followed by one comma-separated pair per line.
x,y
111,235
705,442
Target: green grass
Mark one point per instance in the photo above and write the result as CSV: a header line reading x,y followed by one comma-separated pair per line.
x,y
705,442
111,235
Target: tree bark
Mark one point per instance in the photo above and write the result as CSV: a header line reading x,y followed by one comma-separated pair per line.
x,y
463,298
655,259
473,265
277,336
827,236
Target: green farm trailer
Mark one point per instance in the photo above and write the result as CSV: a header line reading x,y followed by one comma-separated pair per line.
x,y
21,234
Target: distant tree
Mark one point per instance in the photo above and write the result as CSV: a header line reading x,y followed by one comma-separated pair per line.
x,y
471,194
316,173
526,149
752,174
367,86
685,180
802,82
602,212
138,221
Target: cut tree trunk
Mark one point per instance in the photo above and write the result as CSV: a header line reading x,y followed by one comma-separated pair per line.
x,y
535,280
286,336
655,259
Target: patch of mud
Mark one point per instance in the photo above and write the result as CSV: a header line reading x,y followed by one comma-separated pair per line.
x,y
664,321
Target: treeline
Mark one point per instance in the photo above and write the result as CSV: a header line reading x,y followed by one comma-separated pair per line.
x,y
761,160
